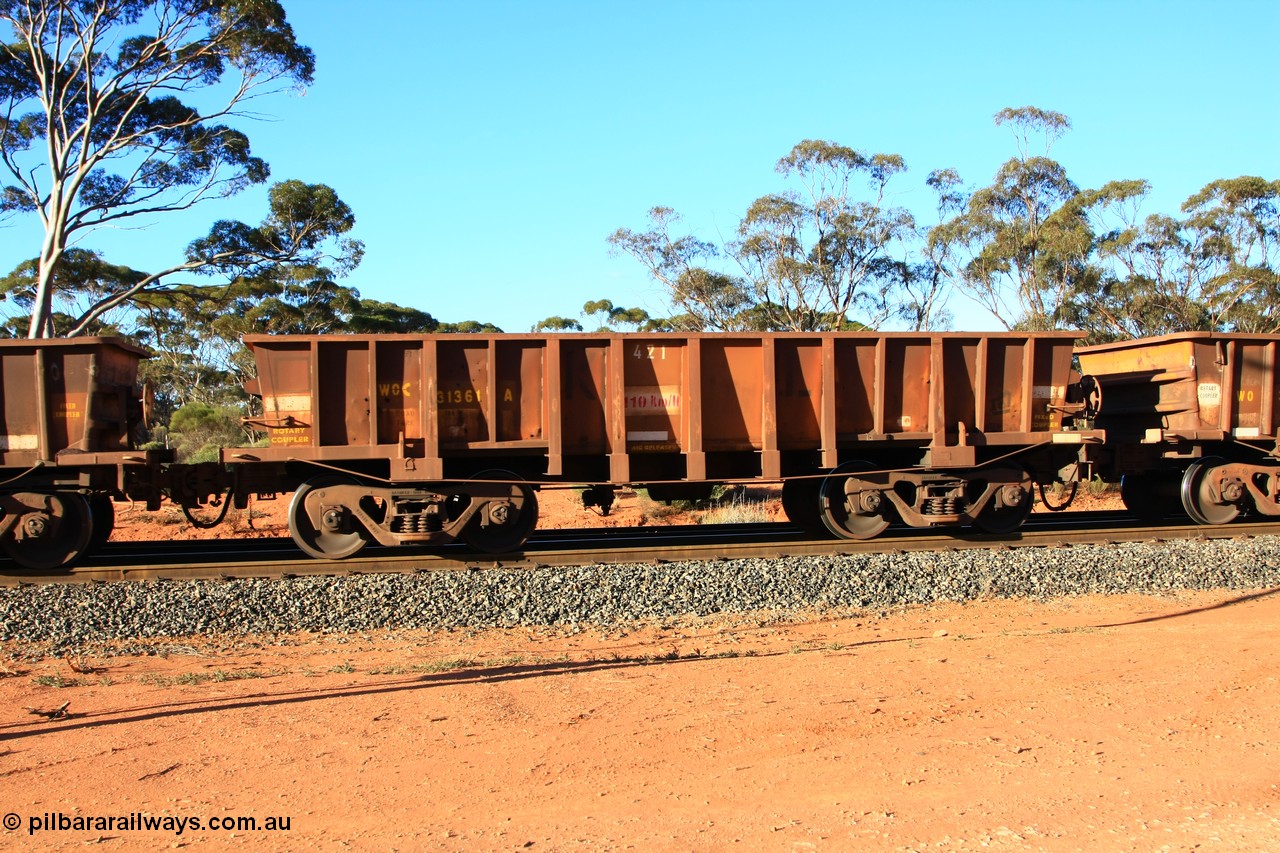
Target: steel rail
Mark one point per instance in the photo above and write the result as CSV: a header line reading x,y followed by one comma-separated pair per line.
x,y
278,558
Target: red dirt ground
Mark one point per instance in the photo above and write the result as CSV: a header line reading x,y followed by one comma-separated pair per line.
x,y
1120,723
1124,723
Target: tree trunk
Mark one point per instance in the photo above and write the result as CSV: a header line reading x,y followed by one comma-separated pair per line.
x,y
42,310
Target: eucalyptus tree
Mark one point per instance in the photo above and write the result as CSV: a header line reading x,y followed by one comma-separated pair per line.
x,y
610,316
1154,276
925,276
1213,269
708,298
804,258
82,277
1021,250
1237,224
468,327
197,357
369,316
557,323
816,255
115,110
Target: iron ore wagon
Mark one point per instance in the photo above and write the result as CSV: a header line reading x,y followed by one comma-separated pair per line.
x,y
436,438
433,439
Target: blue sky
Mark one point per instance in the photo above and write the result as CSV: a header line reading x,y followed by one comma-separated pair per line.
x,y
488,148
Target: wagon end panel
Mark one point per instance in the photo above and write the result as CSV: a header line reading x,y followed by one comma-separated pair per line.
x,y
22,418
1156,386
68,397
286,386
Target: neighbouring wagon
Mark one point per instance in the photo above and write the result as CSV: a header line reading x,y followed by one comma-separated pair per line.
x,y
1191,423
73,421
73,440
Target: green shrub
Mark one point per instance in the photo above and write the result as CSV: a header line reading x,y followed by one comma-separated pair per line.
x,y
198,430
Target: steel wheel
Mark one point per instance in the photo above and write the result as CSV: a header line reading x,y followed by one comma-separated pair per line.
x,y
1002,515
800,502
1135,494
850,507
1150,496
53,532
1199,499
503,524
337,535
103,512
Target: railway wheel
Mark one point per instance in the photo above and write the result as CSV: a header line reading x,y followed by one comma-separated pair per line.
x,y
52,532
851,507
503,523
1206,500
338,534
1150,496
102,510
1009,506
800,503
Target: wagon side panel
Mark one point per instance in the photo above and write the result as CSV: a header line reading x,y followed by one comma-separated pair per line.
x,y
798,379
733,391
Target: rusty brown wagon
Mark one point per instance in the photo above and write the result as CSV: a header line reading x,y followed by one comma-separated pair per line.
x,y
73,436
71,426
1191,422
436,438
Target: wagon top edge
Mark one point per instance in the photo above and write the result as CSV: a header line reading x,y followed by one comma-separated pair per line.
x,y
71,343
1178,337
670,337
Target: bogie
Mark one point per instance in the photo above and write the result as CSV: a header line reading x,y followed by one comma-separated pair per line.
x,y
335,516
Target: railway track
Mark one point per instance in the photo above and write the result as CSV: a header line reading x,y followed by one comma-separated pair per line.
x,y
279,558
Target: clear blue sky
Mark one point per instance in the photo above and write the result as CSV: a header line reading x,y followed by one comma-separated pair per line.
x,y
488,148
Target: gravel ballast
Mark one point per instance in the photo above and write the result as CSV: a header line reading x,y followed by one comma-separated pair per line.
x,y
68,617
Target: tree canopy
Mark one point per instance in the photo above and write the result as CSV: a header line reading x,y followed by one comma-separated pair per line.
x,y
802,259
111,110
1033,247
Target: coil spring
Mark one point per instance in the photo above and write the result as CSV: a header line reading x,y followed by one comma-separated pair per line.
x,y
425,522
941,506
